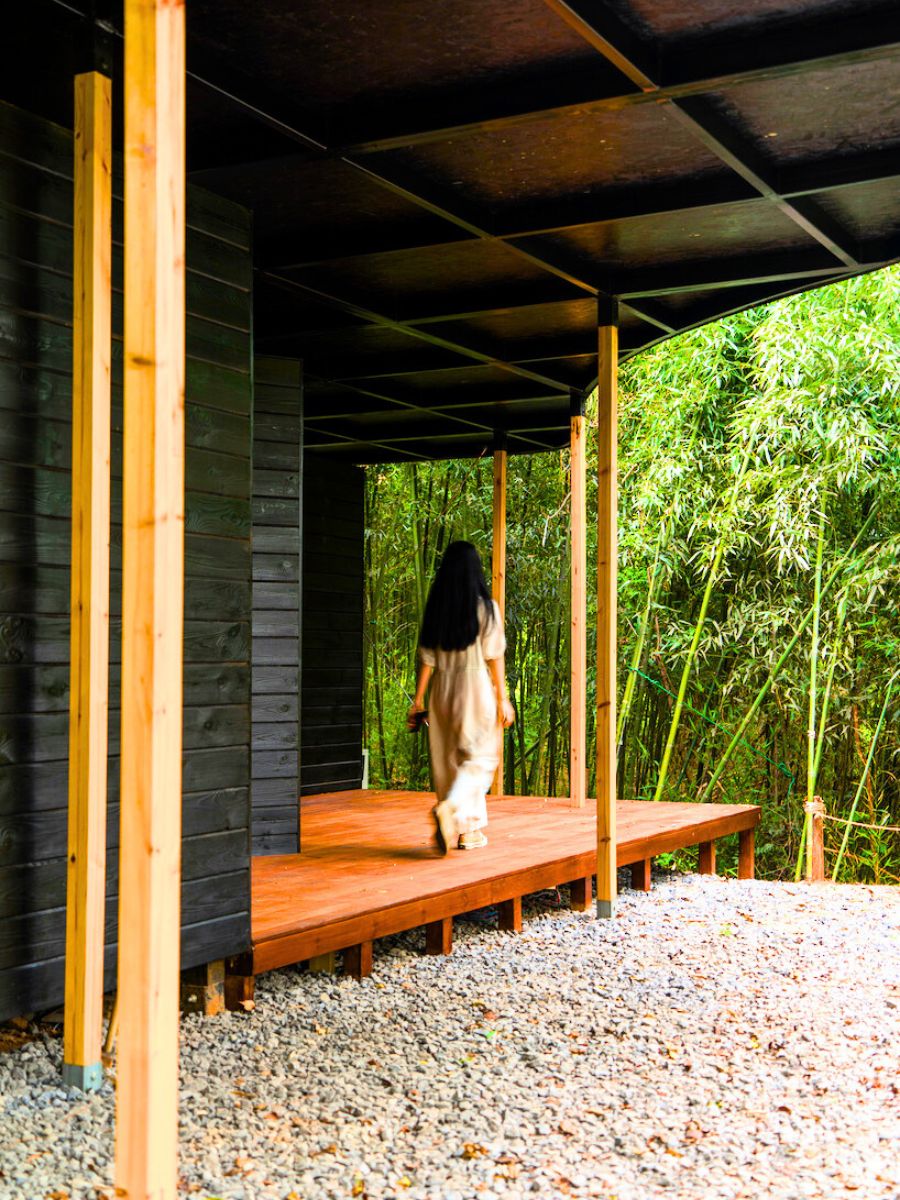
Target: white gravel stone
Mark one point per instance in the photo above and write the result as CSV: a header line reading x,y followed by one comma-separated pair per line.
x,y
717,1039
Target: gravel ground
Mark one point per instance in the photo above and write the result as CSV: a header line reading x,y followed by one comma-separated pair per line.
x,y
717,1040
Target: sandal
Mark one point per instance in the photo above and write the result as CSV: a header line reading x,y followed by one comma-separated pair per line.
x,y
472,841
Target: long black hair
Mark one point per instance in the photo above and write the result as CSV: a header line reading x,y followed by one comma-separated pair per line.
x,y
458,601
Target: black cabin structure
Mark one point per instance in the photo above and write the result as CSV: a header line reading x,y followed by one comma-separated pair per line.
x,y
405,224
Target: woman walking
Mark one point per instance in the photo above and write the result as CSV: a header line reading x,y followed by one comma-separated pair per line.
x,y
461,649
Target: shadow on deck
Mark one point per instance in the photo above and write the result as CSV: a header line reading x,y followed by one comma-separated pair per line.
x,y
369,867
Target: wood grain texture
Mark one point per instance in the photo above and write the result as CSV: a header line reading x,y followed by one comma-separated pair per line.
x,y
368,867
607,504
89,656
498,568
146,1145
578,612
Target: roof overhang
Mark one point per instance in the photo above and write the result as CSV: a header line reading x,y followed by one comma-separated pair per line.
x,y
443,193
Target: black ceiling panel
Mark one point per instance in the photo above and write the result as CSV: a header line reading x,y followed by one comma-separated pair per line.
x,y
443,192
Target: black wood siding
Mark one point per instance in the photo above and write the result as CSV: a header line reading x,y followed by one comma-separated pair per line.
x,y
332,627
35,487
277,459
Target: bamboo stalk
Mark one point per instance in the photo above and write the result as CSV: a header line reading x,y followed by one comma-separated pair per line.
x,y
813,671
638,653
698,628
773,674
865,775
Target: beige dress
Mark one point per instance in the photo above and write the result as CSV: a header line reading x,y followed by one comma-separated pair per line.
x,y
464,734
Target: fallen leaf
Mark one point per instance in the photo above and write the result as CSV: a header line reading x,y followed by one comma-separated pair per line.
x,y
473,1150
330,1149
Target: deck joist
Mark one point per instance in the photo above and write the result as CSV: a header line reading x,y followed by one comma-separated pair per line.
x,y
369,867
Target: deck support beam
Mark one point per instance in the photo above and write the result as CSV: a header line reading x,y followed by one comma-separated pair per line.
x,y
439,936
707,858
578,614
581,892
498,562
203,989
511,915
746,854
152,602
358,960
89,638
641,875
324,964
607,504
240,983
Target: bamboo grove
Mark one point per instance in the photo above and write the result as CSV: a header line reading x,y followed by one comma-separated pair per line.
x,y
759,550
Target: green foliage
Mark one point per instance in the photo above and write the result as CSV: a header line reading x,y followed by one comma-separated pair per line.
x,y
738,442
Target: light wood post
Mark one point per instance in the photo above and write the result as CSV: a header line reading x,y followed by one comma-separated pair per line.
x,y
607,505
578,615
89,637
152,602
498,560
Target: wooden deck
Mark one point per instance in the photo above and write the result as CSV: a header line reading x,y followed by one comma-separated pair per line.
x,y
369,867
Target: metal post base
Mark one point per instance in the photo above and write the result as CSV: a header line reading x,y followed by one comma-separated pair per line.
x,y
88,1079
606,908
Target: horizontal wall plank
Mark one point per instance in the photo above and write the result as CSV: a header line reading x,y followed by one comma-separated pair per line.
x,y
274,708
273,679
272,735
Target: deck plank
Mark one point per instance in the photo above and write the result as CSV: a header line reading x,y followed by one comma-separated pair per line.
x,y
369,866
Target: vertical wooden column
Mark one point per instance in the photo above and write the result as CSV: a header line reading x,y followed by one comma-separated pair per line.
x,y
89,678
578,617
498,558
815,852
152,602
607,504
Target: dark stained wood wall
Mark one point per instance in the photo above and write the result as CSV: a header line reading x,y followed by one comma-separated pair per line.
x,y
277,459
332,637
35,453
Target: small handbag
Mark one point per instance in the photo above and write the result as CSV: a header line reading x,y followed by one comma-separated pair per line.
x,y
418,720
